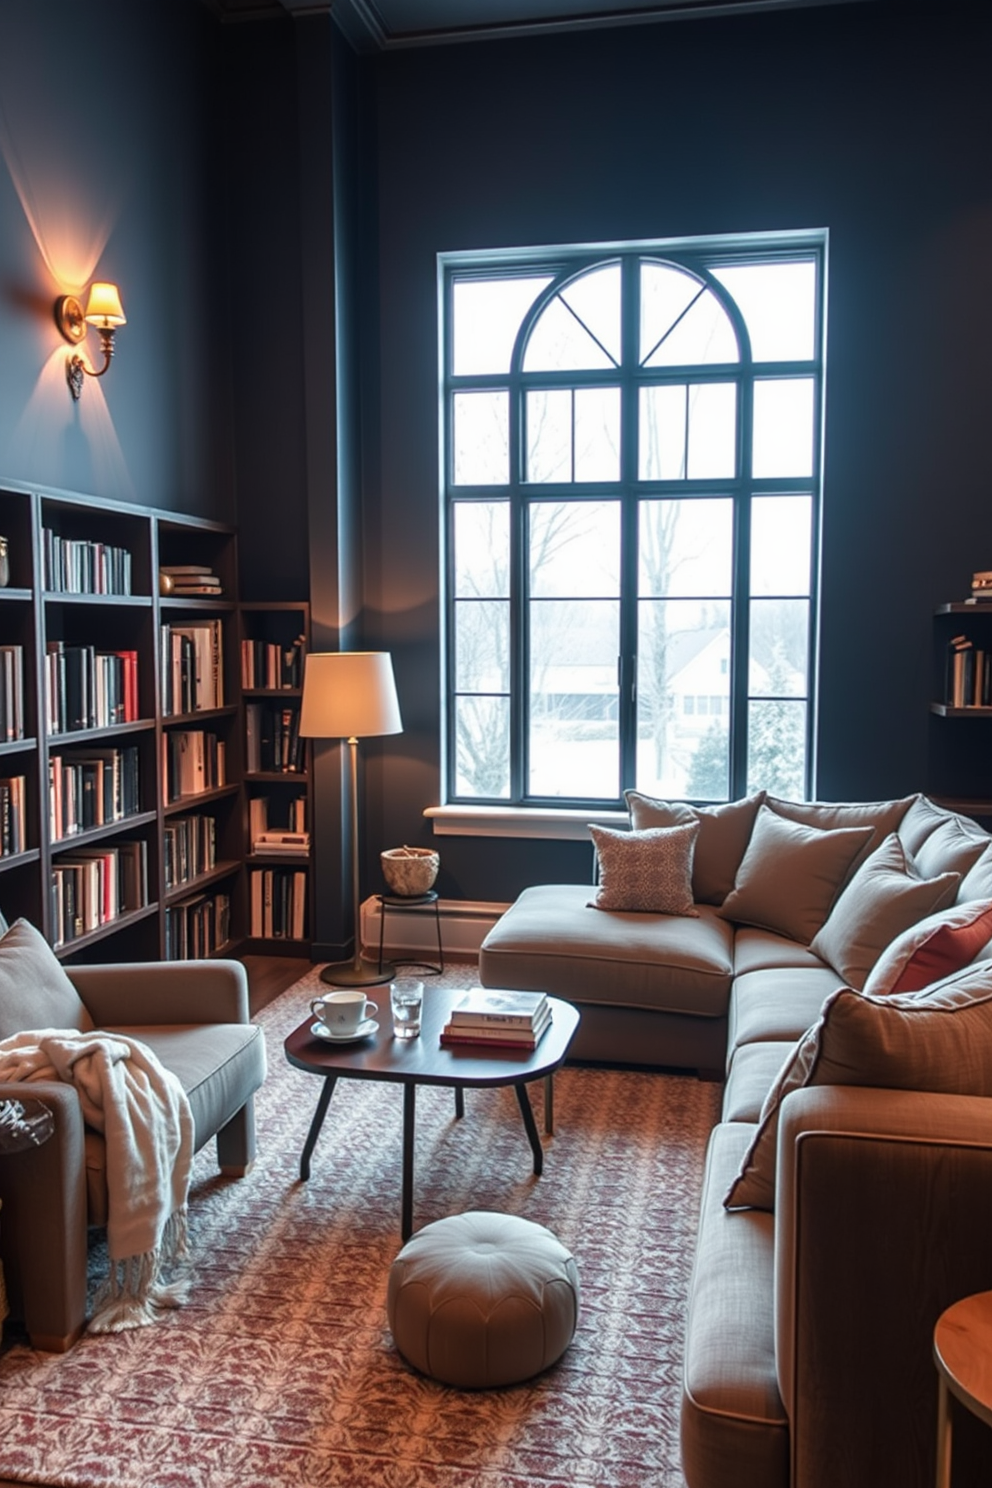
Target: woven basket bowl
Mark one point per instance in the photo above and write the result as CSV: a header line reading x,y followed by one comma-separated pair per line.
x,y
409,871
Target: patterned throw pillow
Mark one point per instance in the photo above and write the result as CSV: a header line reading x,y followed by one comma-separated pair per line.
x,y
724,833
934,948
647,872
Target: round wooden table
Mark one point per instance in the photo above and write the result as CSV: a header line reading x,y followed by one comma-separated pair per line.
x,y
962,1350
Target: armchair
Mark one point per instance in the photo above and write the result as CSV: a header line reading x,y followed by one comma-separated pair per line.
x,y
194,1017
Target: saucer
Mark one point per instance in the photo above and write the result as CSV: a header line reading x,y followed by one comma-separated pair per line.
x,y
364,1030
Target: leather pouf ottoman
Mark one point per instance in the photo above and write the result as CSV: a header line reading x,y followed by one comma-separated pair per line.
x,y
481,1300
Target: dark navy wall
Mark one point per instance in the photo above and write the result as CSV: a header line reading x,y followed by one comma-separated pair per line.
x,y
111,167
873,121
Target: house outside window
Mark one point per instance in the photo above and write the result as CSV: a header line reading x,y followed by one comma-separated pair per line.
x,y
631,470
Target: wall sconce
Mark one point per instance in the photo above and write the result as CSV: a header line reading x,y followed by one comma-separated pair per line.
x,y
105,311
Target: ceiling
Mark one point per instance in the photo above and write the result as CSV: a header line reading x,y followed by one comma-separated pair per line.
x,y
383,25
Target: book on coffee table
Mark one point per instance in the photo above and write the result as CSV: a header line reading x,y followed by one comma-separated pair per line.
x,y
497,1033
481,1007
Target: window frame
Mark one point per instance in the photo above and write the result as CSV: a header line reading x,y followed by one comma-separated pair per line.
x,y
698,257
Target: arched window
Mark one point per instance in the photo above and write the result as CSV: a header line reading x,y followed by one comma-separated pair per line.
x,y
631,485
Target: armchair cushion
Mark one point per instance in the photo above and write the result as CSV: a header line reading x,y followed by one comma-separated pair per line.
x,y
34,990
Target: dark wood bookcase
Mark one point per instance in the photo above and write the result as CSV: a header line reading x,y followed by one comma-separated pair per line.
x,y
960,772
109,854
275,638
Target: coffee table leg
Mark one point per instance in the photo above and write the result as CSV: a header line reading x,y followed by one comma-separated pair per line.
x,y
409,1113
530,1126
549,1105
459,1102
323,1102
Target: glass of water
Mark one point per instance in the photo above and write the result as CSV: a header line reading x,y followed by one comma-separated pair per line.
x,y
406,998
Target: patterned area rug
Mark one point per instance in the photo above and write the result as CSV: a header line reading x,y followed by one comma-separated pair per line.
x,y
279,1372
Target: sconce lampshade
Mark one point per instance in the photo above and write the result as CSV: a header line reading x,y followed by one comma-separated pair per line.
x,y
349,695
104,308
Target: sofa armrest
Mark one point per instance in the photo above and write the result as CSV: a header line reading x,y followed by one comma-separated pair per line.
x,y
883,1213
160,992
43,1223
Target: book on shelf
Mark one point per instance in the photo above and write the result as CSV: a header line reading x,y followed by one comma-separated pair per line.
x,y
497,1035
281,842
75,566
192,667
188,578
271,665
489,1006
969,674
11,693
278,900
13,830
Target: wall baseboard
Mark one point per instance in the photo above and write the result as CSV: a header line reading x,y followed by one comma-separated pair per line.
x,y
465,923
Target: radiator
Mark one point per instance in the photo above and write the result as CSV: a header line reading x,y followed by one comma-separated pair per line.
x,y
412,931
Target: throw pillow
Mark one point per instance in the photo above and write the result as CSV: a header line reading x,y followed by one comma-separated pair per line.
x,y
648,872
939,1039
936,947
724,833
34,990
882,817
922,818
953,847
882,900
791,874
977,882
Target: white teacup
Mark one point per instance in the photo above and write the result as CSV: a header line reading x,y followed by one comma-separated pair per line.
x,y
342,1013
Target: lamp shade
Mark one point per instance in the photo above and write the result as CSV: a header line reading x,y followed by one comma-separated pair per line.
x,y
104,306
349,695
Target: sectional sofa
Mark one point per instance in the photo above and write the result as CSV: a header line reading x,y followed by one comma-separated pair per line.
x,y
832,963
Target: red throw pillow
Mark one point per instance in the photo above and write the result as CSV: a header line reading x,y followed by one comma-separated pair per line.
x,y
934,948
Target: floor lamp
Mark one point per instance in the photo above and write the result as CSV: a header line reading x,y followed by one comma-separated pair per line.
x,y
351,695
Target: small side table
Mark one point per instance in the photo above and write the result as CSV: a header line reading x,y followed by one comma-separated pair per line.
x,y
401,902
962,1351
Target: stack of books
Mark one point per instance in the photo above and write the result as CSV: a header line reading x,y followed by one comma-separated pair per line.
x,y
981,587
487,1017
197,579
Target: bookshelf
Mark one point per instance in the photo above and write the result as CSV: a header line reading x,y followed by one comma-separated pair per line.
x,y
960,769
111,842
277,777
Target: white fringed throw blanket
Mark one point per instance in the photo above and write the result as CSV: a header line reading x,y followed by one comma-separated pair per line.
x,y
143,1113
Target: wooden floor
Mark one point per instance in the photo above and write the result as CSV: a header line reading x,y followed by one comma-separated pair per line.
x,y
267,977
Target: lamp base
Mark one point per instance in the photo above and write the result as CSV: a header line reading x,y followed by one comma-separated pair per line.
x,y
360,973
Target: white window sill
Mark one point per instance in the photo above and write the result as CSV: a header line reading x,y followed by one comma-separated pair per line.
x,y
519,821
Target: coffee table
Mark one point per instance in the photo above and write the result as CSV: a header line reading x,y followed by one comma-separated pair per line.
x,y
422,1061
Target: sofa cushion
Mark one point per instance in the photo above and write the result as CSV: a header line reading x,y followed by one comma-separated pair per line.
x,y
777,1006
939,1039
734,1426
647,872
551,941
933,949
883,899
35,992
724,833
952,847
759,950
791,874
752,1074
882,817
